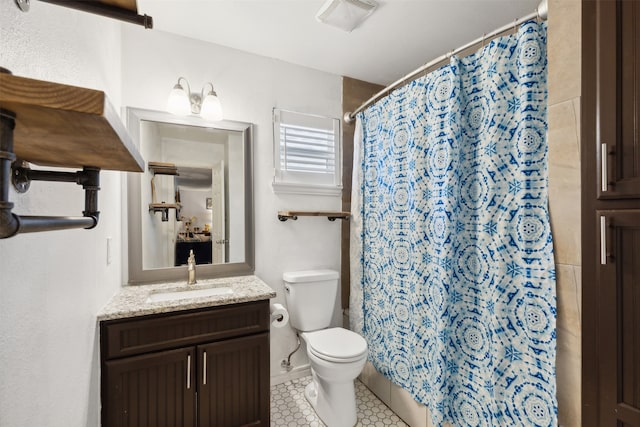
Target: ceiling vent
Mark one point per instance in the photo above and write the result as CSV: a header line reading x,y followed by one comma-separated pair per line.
x,y
345,14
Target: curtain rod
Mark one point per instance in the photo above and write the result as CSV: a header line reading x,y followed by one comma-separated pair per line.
x,y
540,12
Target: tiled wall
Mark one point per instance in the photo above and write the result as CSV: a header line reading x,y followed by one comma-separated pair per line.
x,y
564,54
354,93
564,42
396,398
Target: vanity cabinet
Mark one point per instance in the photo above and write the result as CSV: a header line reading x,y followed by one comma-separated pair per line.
x,y
150,390
230,391
206,367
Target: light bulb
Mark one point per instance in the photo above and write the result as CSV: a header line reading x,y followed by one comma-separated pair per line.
x,y
178,102
211,108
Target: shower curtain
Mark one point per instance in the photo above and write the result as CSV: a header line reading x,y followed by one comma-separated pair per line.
x,y
453,281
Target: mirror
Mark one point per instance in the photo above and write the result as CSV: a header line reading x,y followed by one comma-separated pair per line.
x,y
196,194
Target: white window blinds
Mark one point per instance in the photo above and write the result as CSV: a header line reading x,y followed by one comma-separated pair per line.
x,y
307,149
306,153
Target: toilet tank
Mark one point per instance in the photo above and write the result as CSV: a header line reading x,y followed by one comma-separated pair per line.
x,y
311,297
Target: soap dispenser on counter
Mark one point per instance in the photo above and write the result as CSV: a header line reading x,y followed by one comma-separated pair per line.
x,y
191,268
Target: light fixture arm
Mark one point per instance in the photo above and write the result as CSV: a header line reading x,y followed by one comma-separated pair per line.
x,y
207,98
195,100
212,91
187,83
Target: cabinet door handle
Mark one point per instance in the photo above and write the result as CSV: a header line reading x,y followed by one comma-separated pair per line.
x,y
604,173
188,372
603,240
204,368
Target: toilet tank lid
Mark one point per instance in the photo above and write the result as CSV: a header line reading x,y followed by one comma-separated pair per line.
x,y
309,276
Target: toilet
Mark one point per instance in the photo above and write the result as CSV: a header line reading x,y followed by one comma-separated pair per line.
x,y
337,355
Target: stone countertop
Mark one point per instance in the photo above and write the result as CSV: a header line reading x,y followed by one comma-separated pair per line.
x,y
131,300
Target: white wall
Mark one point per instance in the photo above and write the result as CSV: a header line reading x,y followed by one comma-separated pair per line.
x,y
52,284
249,87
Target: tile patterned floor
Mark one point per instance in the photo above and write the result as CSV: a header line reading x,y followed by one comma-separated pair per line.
x,y
290,408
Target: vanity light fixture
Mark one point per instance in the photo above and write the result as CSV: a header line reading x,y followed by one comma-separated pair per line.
x,y
182,101
345,14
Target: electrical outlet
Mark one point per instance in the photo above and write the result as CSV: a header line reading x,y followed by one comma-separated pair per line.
x,y
109,254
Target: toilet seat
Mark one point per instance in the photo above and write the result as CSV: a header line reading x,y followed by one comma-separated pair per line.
x,y
336,345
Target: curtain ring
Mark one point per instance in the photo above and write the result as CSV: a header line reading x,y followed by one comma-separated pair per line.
x,y
539,17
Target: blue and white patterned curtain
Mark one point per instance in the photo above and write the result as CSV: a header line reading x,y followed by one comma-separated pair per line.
x,y
453,280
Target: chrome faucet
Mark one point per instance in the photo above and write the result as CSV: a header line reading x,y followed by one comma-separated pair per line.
x,y
191,268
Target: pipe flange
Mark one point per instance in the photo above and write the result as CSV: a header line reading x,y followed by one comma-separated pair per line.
x,y
20,177
7,114
348,118
7,155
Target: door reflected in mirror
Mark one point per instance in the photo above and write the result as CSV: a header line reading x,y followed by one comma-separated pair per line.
x,y
195,195
203,230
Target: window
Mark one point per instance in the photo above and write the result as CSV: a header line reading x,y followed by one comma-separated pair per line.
x,y
307,155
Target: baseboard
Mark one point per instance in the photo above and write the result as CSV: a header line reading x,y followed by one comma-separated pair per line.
x,y
295,373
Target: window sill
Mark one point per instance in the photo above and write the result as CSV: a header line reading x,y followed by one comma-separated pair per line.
x,y
317,190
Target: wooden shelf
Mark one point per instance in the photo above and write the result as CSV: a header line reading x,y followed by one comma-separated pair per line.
x,y
130,5
331,215
123,10
160,168
164,205
67,126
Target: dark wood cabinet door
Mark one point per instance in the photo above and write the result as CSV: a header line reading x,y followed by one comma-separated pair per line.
x,y
234,382
154,390
618,115
619,289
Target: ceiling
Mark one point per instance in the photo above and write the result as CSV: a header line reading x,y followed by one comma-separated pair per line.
x,y
398,37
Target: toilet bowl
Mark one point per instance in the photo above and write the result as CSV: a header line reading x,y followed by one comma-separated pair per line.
x,y
331,392
337,355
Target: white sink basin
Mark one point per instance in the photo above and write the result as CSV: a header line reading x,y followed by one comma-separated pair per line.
x,y
188,293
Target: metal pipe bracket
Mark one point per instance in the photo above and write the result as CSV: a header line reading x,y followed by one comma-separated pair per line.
x,y
21,175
